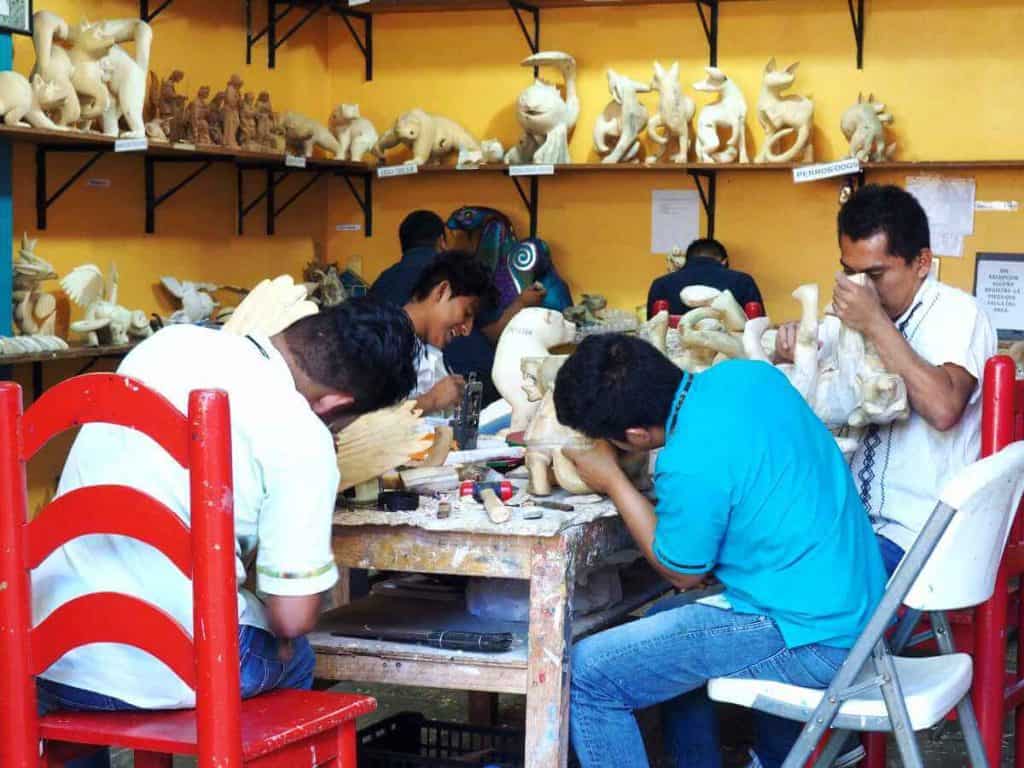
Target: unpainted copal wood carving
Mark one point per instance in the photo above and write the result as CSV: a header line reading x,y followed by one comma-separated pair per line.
x,y
546,118
863,125
729,113
35,312
531,333
301,134
675,111
622,119
355,134
105,321
783,116
431,138
26,104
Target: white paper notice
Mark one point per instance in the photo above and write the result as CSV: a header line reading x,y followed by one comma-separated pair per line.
x,y
675,219
949,203
948,244
999,287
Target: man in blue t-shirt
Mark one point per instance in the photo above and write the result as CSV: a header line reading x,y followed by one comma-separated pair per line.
x,y
707,263
751,489
422,235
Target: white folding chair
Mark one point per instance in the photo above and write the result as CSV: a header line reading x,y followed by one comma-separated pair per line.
x,y
952,565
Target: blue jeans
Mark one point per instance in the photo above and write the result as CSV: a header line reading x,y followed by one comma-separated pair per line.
x,y
668,656
775,735
261,670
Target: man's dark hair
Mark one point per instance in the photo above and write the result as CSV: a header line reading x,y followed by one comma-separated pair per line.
x,y
419,229
613,382
887,209
466,276
362,346
708,248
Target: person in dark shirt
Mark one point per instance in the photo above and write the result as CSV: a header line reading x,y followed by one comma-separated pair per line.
x,y
707,263
422,235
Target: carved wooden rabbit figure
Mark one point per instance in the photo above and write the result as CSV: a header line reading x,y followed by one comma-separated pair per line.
x,y
675,111
623,119
781,116
729,113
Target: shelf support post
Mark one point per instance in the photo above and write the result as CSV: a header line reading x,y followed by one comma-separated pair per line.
x,y
364,42
530,201
710,24
858,18
533,41
43,202
708,195
146,15
154,201
364,201
274,41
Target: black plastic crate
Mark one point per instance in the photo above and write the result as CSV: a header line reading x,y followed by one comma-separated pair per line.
x,y
409,740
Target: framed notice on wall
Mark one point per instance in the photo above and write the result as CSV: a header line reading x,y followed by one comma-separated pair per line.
x,y
16,16
999,288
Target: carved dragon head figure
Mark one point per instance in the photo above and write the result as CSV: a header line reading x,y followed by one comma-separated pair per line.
x,y
29,269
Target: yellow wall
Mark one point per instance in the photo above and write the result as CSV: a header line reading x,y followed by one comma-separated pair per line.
x,y
195,236
935,64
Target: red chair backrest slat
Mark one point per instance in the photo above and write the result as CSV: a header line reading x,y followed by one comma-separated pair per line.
x,y
110,509
201,443
105,398
100,618
1002,417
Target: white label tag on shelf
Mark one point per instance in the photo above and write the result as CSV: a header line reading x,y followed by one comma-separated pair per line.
x,y
98,183
820,171
357,2
347,227
131,145
405,169
294,161
531,170
1008,206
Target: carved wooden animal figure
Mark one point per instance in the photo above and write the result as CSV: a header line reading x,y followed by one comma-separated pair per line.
x,y
24,103
729,113
355,134
546,118
125,76
623,119
35,312
105,319
531,333
863,125
301,134
781,116
675,111
430,137
53,64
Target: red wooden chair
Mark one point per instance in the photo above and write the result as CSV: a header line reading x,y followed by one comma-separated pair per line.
x,y
983,632
277,729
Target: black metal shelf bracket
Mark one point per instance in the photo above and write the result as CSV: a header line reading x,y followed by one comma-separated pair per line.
x,y
146,15
274,211
530,201
154,201
43,201
364,42
857,17
533,41
364,201
273,178
270,31
708,195
710,24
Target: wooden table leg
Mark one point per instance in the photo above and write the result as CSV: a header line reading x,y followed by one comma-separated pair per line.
x,y
552,580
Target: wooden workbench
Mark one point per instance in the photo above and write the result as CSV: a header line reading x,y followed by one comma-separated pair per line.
x,y
548,552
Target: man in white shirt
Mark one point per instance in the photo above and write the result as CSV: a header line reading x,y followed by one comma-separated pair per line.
x,y
282,391
447,297
935,336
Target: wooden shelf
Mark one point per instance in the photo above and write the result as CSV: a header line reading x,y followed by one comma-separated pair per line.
x,y
75,353
425,6
93,142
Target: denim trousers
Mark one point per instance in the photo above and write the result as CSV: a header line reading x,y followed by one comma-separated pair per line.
x,y
667,657
261,670
686,720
